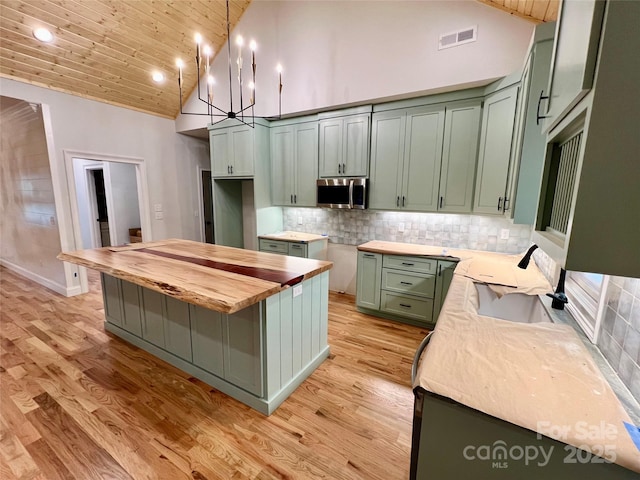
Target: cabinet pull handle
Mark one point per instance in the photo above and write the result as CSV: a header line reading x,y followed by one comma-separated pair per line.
x,y
406,283
368,255
231,169
403,200
441,200
499,203
405,305
228,171
538,116
272,245
506,203
439,270
397,201
339,168
408,264
344,168
295,198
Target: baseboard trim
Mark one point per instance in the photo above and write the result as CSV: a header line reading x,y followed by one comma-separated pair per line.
x,y
45,282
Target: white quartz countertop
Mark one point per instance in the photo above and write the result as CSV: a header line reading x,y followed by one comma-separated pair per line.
x,y
289,236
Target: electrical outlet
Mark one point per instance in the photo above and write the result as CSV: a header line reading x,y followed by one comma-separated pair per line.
x,y
299,220
504,234
401,227
297,290
159,216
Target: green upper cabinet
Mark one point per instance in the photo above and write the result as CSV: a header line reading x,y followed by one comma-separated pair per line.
x,y
294,164
494,153
233,151
575,53
344,145
405,158
459,153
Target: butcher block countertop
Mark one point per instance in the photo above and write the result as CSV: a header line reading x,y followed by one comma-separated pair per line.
x,y
299,237
220,278
539,376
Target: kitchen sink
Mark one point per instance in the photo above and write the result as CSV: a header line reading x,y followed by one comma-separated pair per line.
x,y
515,307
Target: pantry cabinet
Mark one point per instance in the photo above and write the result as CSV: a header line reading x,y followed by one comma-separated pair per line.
x,y
344,143
294,163
494,154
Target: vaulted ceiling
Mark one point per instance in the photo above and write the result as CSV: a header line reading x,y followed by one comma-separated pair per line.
x,y
107,50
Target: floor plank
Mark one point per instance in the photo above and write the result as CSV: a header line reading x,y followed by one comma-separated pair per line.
x,y
80,403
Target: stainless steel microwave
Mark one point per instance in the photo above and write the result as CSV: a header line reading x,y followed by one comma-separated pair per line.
x,y
342,193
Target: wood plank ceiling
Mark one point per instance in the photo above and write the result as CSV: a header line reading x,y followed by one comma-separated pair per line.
x,y
106,50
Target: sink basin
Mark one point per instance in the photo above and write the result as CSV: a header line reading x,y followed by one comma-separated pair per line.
x,y
515,307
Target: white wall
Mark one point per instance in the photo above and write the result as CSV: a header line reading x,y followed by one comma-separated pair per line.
x,y
88,126
120,185
343,52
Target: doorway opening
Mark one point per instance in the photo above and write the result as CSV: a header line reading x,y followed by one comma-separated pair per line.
x,y
206,205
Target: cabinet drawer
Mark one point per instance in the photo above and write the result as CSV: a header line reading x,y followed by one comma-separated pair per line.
x,y
405,282
410,264
298,250
274,246
420,309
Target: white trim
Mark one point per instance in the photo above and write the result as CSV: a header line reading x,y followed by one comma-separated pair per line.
x,y
143,200
45,282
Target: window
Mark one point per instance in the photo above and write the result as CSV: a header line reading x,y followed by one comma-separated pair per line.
x,y
586,292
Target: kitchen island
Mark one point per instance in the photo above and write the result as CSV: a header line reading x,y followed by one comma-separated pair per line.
x,y
252,325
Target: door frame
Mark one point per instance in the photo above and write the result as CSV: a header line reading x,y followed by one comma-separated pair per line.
x,y
199,172
93,202
143,198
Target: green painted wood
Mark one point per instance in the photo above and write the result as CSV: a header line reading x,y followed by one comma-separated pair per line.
x,y
317,249
459,153
274,246
443,281
220,152
356,131
112,299
243,362
282,165
306,164
418,284
369,277
330,147
131,299
272,348
297,250
316,315
296,332
286,336
410,264
177,328
242,151
494,154
305,327
321,284
416,308
206,338
387,157
422,158
153,317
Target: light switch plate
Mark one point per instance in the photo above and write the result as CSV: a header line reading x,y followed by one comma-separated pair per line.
x,y
297,290
401,227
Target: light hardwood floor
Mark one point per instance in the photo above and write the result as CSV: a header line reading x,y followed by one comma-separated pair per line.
x,y
79,403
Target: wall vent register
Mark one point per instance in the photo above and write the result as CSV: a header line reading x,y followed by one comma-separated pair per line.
x,y
460,37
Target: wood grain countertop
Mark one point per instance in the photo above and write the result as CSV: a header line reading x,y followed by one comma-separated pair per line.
x,y
220,278
289,236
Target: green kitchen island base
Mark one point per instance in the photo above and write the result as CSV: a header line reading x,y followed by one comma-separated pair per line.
x,y
258,355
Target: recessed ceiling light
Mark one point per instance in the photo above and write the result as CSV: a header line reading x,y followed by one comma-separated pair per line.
x,y
158,77
43,35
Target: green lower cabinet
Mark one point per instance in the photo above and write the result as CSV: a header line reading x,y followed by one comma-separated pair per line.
x,y
153,317
404,288
177,328
368,280
206,339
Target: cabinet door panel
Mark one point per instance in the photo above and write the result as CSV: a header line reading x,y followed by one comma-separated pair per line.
x,y
387,150
243,349
297,250
112,302
153,317
242,151
306,164
459,154
177,328
494,154
368,280
132,321
330,149
219,150
282,165
422,159
207,339
356,146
